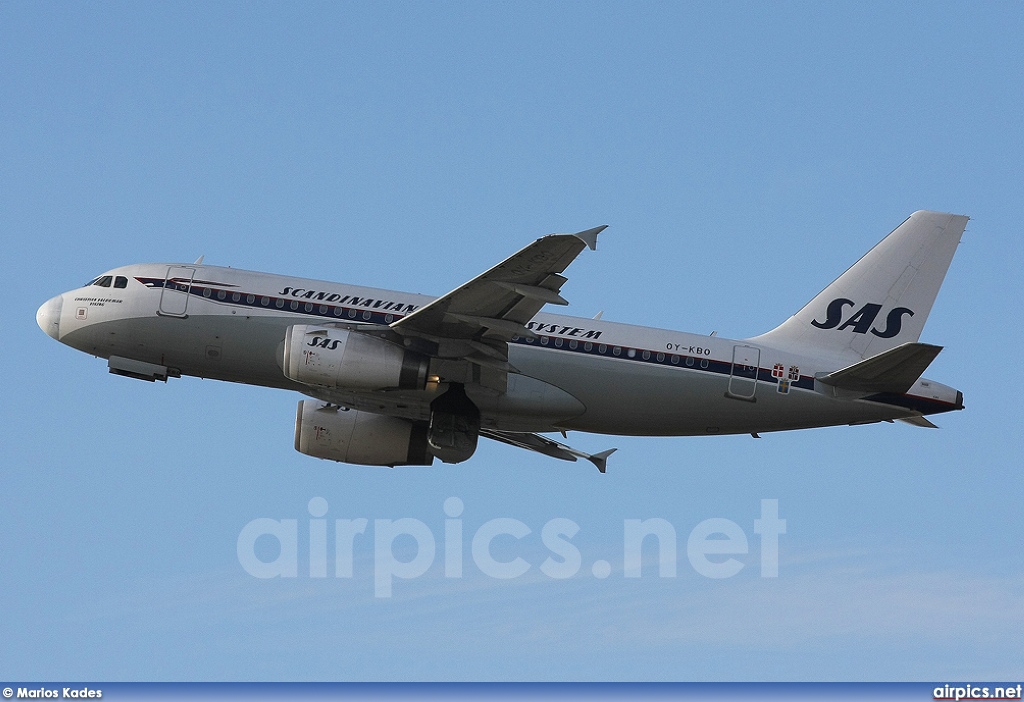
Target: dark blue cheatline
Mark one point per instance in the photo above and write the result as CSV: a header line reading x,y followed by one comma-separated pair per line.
x,y
698,364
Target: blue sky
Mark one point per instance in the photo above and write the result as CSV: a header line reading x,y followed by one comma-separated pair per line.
x,y
743,154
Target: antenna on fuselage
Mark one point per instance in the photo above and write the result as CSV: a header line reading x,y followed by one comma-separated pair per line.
x,y
199,260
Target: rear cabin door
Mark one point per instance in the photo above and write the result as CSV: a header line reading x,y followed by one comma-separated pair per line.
x,y
743,379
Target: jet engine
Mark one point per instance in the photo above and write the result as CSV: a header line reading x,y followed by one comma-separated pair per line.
x,y
350,436
337,358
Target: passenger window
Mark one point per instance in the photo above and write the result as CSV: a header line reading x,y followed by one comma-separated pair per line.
x,y
104,281
120,282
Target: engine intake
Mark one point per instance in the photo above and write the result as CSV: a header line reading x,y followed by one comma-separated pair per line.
x,y
338,358
350,436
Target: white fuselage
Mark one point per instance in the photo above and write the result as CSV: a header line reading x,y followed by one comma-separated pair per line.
x,y
577,374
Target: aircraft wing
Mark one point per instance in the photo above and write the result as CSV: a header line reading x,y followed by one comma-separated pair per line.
x,y
497,304
548,447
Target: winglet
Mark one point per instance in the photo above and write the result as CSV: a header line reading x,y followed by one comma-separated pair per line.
x,y
589,237
601,459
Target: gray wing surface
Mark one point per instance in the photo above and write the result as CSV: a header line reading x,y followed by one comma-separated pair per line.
x,y
548,447
497,304
475,321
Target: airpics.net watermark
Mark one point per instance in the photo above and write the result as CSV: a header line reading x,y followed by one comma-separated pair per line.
x,y
710,546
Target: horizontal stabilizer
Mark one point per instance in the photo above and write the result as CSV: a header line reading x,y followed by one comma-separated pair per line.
x,y
895,370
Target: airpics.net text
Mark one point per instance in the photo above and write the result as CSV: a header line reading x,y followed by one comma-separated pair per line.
x,y
711,546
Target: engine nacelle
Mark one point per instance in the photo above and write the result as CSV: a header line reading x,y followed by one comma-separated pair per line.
x,y
338,358
351,436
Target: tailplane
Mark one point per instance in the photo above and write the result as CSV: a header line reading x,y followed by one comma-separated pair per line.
x,y
893,371
883,300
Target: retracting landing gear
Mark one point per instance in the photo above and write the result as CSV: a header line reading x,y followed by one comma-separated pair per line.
x,y
454,425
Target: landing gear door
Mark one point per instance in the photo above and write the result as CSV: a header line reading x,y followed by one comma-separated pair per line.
x,y
743,380
174,295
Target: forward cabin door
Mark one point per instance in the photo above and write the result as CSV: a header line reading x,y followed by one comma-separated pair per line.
x,y
175,293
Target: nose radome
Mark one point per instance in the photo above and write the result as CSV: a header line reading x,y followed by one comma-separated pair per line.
x,y
48,316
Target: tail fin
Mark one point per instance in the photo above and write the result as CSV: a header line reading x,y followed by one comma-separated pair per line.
x,y
883,300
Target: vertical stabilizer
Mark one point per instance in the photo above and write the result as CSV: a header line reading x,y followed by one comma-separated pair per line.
x,y
883,300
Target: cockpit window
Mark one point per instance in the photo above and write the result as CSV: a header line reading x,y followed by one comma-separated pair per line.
x,y
120,282
104,281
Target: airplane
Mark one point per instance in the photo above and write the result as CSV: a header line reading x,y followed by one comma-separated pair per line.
x,y
395,378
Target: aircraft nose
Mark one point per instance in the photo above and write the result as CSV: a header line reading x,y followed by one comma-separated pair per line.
x,y
48,316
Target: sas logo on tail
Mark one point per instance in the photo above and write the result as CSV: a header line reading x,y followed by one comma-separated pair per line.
x,y
863,318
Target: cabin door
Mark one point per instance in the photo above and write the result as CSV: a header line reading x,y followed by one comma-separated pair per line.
x,y
175,293
743,379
